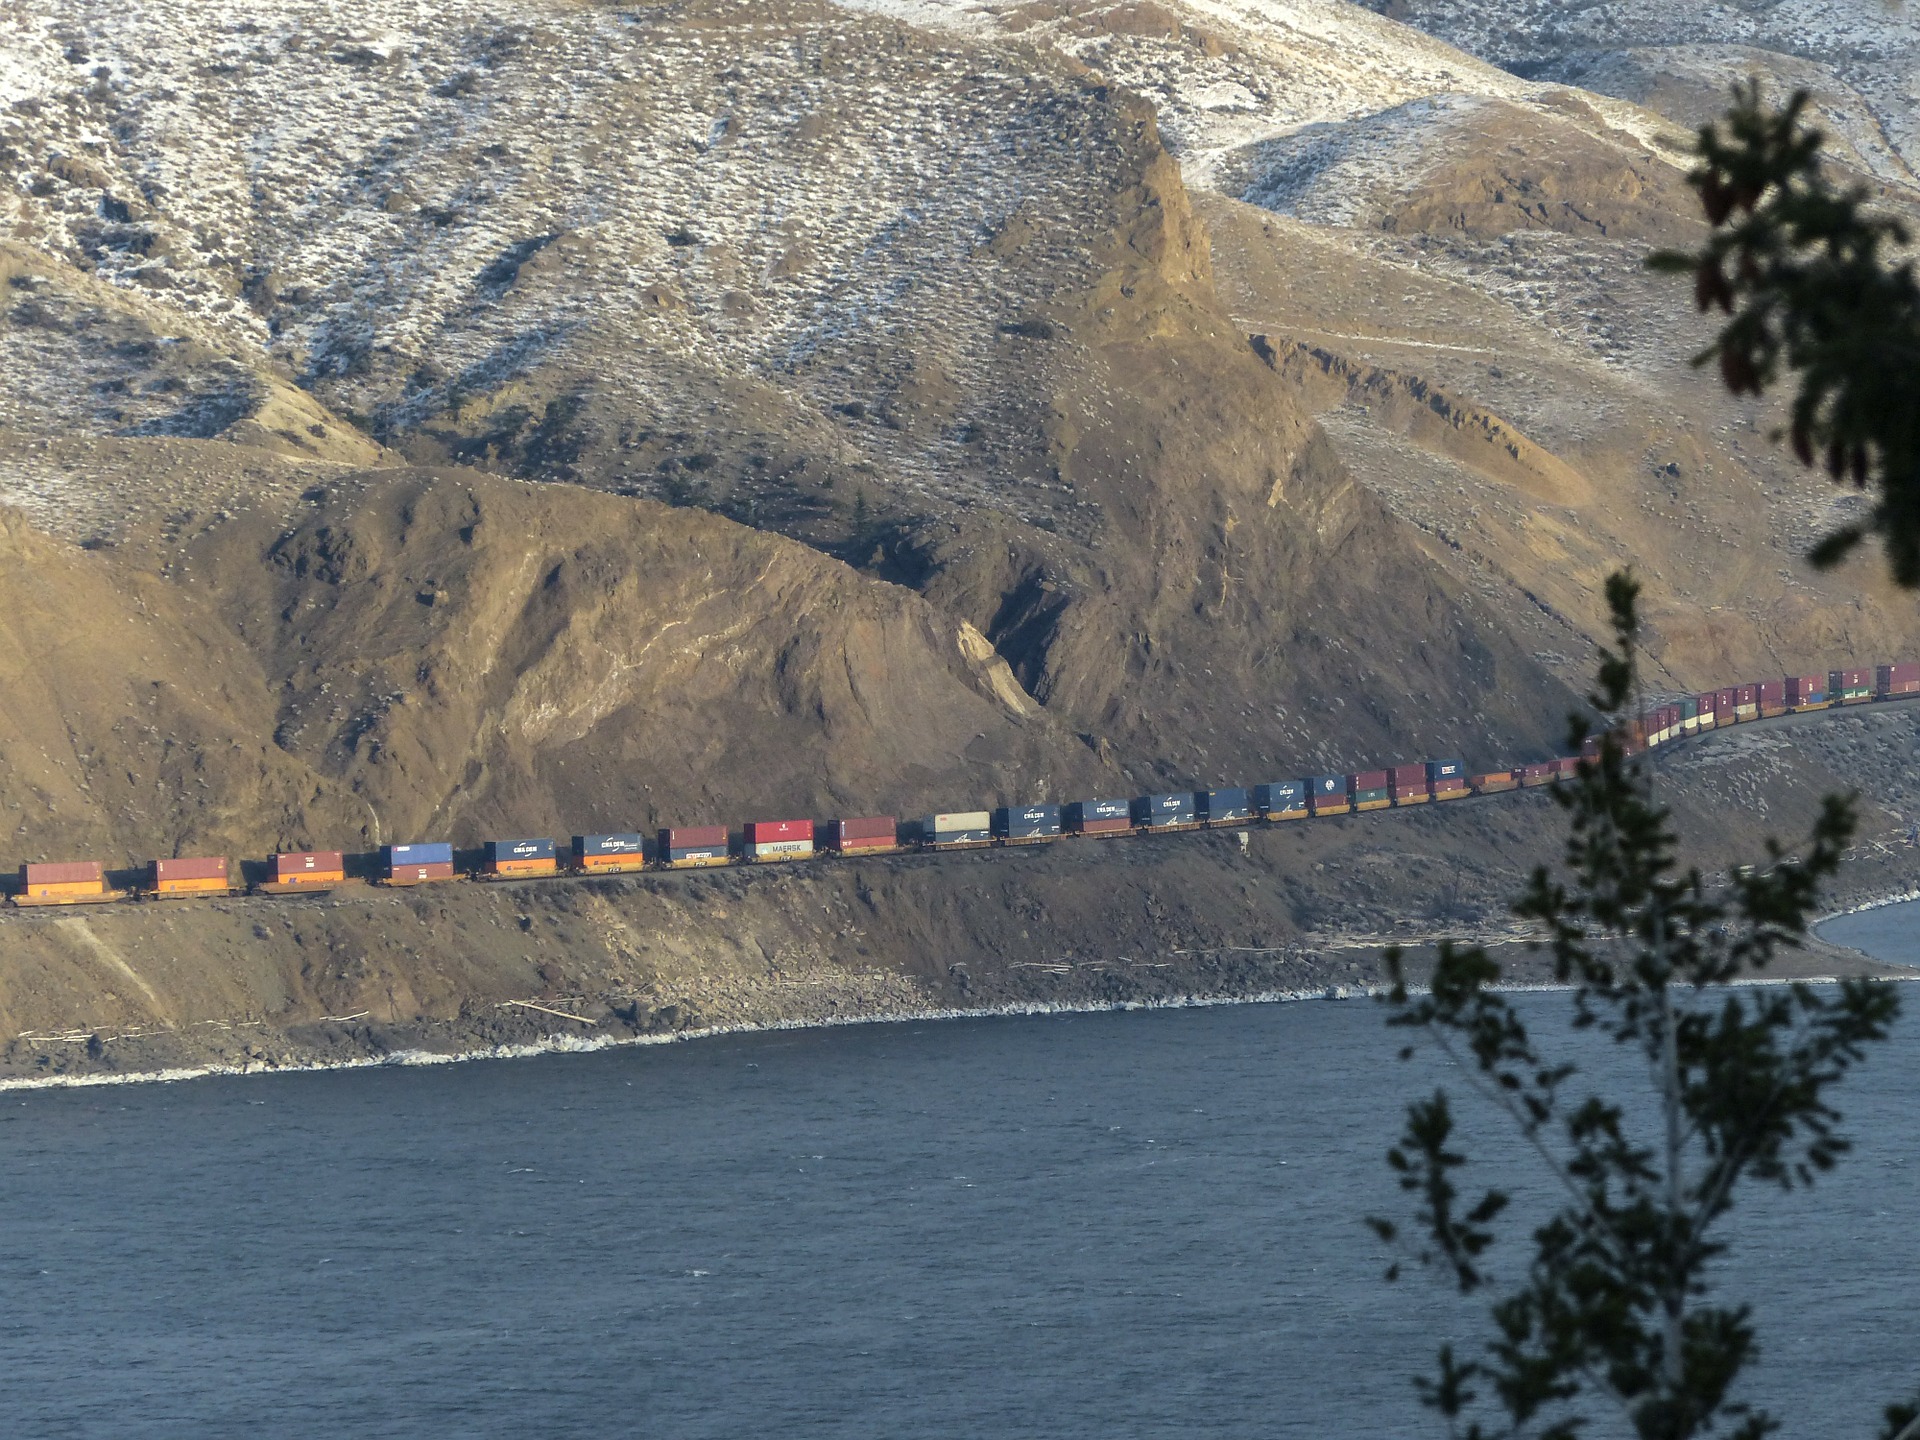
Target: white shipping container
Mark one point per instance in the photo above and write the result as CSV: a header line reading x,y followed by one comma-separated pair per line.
x,y
781,850
962,820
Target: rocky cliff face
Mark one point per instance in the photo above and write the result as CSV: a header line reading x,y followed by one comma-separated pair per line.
x,y
465,424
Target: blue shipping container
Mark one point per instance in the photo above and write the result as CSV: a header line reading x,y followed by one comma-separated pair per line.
x,y
1084,810
1234,804
1280,797
624,844
498,850
1167,809
434,853
1325,785
1438,770
1026,822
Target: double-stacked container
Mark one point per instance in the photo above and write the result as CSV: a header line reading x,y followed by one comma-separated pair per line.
x,y
519,859
1892,680
609,854
692,846
1538,774
1281,800
1807,692
867,835
1746,703
779,840
1447,779
957,830
1689,715
1327,795
63,882
1567,767
1232,806
1026,824
308,870
1706,707
1773,698
1850,687
1409,784
196,875
1100,817
1725,707
1494,781
419,863
1169,810
1370,790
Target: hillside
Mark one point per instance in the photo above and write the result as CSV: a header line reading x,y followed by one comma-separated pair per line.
x,y
465,419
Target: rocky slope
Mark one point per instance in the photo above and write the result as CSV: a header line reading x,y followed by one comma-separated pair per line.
x,y
455,420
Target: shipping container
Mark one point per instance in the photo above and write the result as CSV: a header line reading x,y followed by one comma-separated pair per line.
x,y
610,854
1100,817
1493,782
63,882
1367,780
418,863
199,875
1232,806
1166,810
1689,715
1408,784
1590,749
1372,799
520,859
1328,795
687,846
1850,687
1026,824
956,829
1807,692
1446,775
1567,767
766,840
1746,702
1725,710
1891,680
1281,800
1773,698
1537,774
309,867
866,833
1704,705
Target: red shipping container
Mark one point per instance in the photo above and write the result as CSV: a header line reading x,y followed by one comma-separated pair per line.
x,y
1746,695
63,872
1409,777
1536,774
1368,780
1896,680
1121,822
1806,689
767,832
1567,767
694,837
1723,703
294,864
869,828
210,867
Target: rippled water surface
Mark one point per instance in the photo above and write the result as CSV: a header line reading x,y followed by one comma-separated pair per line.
x,y
1142,1224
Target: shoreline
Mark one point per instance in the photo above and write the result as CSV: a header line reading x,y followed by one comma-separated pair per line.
x,y
559,1044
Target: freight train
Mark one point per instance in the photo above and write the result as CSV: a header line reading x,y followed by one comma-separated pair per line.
x,y
308,872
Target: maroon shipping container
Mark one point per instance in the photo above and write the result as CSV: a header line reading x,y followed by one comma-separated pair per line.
x,y
1773,697
1896,680
63,872
205,867
1409,777
1121,822
412,874
1723,703
768,832
694,837
1567,767
1536,774
1590,748
1746,695
1801,689
1368,780
292,864
868,828
1707,703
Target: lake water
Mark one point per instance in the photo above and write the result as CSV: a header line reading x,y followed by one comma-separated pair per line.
x,y
1135,1224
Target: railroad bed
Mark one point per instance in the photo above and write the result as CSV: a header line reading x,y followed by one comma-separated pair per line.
x,y
59,885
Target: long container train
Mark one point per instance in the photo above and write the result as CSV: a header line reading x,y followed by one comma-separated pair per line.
x,y
89,882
